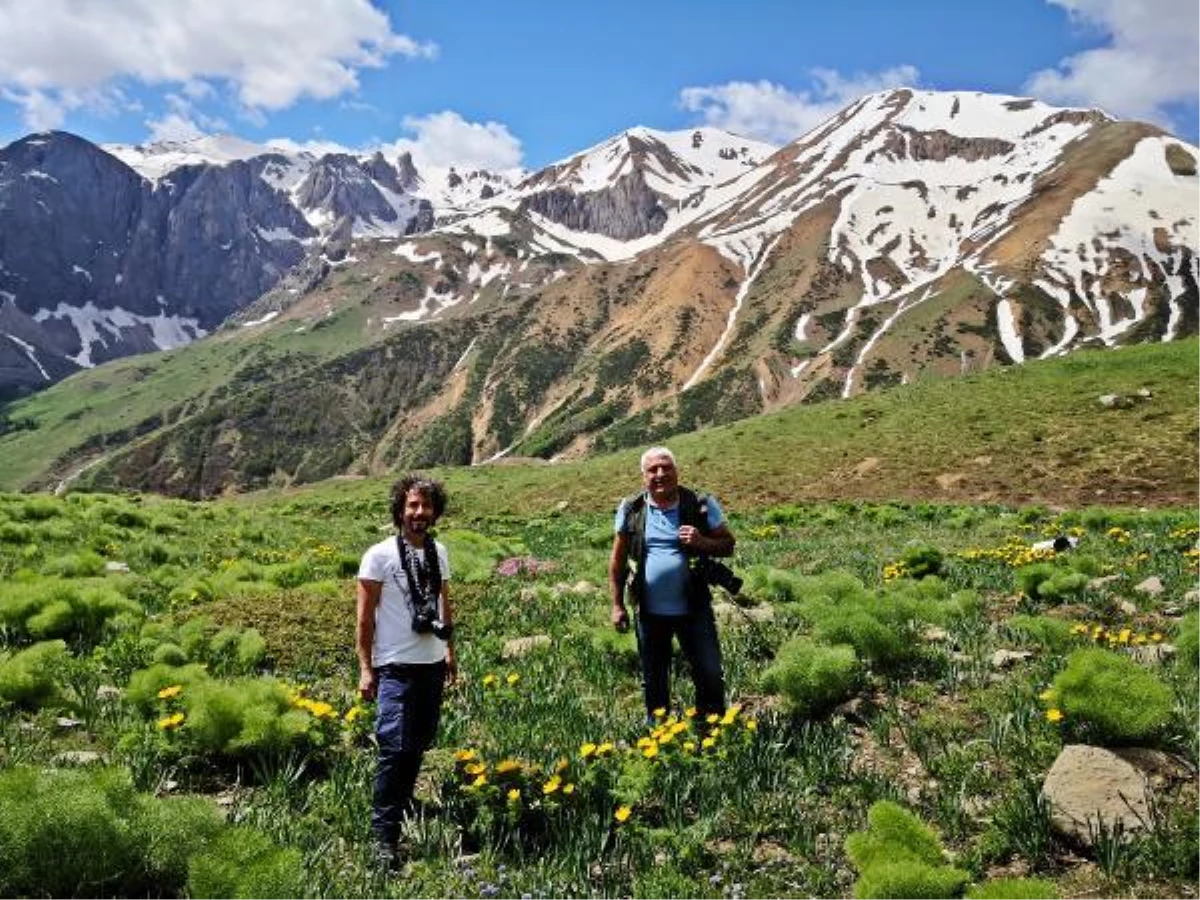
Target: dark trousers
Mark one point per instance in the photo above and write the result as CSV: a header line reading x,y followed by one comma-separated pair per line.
x,y
697,634
406,722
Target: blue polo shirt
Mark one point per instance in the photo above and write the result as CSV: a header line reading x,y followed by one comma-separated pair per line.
x,y
666,561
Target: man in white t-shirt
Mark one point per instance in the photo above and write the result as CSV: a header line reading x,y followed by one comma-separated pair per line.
x,y
405,653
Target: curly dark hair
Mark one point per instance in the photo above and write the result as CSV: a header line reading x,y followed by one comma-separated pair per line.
x,y
428,488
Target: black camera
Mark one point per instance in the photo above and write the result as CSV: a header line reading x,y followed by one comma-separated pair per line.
x,y
719,574
425,620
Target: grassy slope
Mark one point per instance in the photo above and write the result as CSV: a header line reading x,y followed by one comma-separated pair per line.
x,y
1030,434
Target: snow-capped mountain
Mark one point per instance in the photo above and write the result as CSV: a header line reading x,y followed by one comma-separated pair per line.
x,y
653,282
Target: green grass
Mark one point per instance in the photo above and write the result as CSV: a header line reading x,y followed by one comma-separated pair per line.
x,y
755,808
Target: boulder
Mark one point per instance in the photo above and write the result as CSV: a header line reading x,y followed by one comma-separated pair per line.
x,y
1092,787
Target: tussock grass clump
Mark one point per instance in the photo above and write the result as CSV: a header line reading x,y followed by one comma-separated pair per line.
x,y
88,833
235,719
1052,634
473,556
244,862
81,612
1013,889
813,678
1187,642
899,856
1046,581
1110,698
27,677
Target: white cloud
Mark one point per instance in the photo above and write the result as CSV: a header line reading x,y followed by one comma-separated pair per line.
x,y
59,54
1149,63
773,113
446,138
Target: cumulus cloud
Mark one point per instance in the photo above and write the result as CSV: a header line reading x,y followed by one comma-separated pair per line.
x,y
1148,64
774,113
60,55
446,138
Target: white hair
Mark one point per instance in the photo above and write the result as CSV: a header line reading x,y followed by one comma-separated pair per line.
x,y
656,451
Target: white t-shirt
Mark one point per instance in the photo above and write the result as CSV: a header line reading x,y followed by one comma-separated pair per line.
x,y
395,641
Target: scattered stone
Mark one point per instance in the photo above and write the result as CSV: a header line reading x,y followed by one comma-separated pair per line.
x,y
1173,610
1144,393
518,647
584,588
78,758
1152,654
64,722
849,709
935,635
1152,586
1127,607
1003,659
1192,597
113,566
108,692
1109,401
562,505
1092,787
1103,581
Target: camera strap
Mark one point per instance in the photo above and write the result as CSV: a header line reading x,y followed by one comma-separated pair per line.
x,y
424,581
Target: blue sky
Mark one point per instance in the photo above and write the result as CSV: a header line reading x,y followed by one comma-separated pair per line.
x,y
524,83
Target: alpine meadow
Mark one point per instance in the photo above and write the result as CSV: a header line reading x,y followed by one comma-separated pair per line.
x,y
937,358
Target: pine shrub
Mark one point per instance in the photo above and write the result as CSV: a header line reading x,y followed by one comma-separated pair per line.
x,y
1110,698
922,560
1045,581
813,678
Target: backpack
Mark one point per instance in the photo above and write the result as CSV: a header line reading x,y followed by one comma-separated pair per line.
x,y
693,510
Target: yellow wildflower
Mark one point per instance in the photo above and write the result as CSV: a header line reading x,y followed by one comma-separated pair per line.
x,y
513,678
168,692
623,813
552,785
1047,695
588,749
1054,714
464,755
480,781
514,795
660,712
170,722
707,743
751,725
689,746
507,765
606,747
650,751
712,719
475,769
568,788
690,712
489,680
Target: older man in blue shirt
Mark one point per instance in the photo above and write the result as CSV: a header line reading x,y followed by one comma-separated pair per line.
x,y
662,537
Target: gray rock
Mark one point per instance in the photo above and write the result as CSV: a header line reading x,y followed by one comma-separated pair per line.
x,y
1003,659
78,758
1152,654
1152,586
1092,787
523,646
